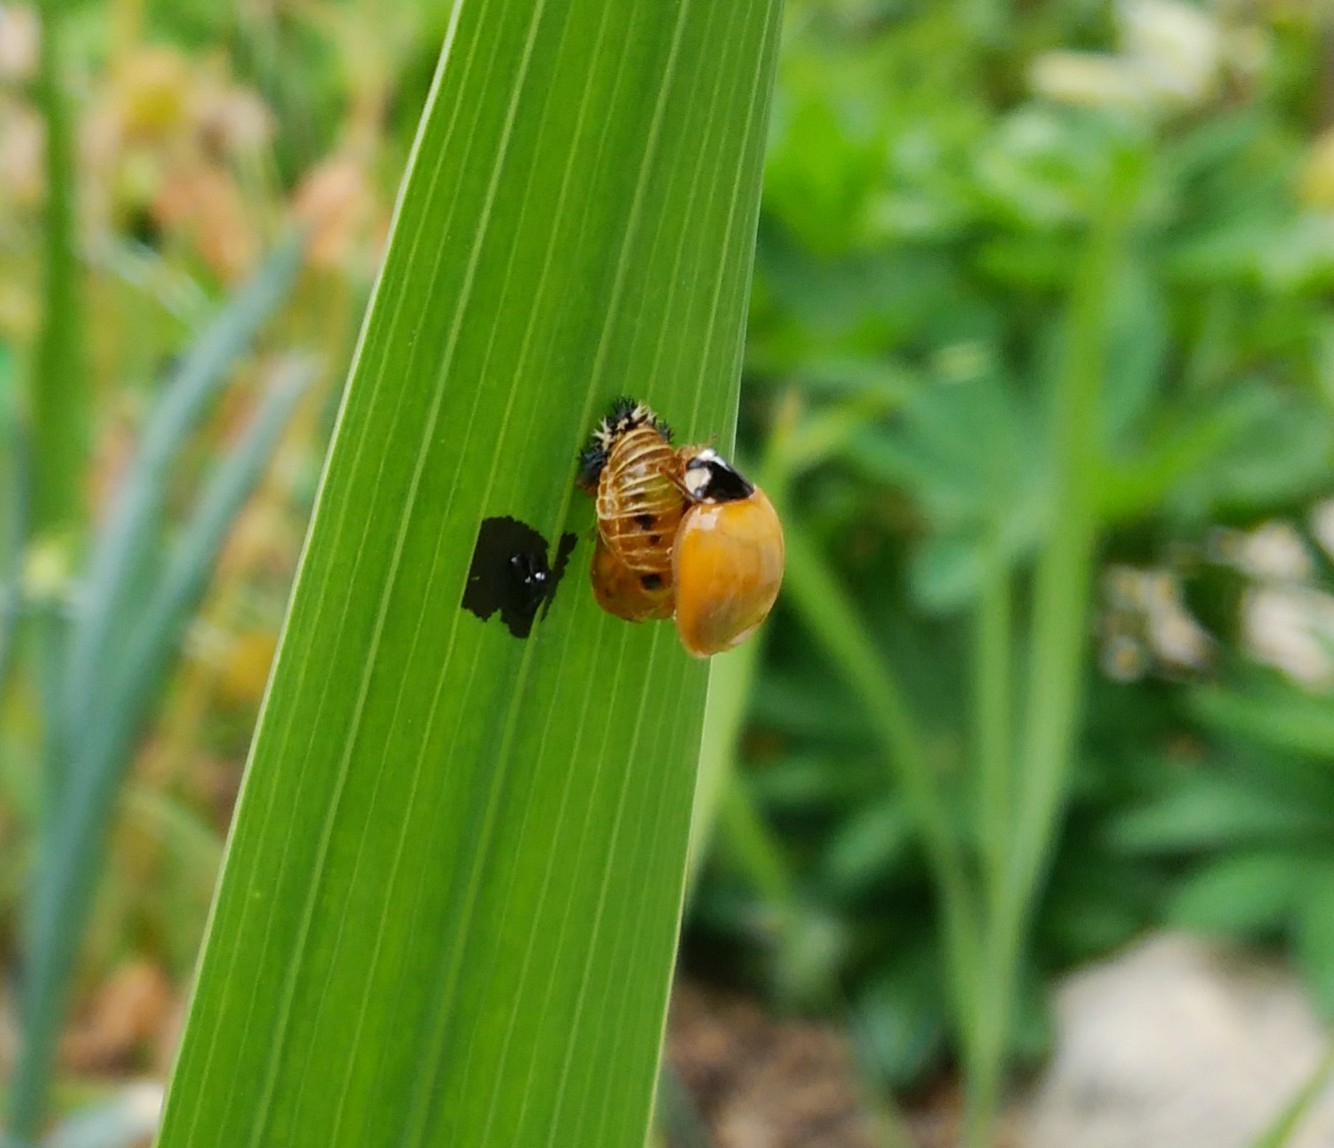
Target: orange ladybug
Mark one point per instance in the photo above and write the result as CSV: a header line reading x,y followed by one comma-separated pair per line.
x,y
727,558
633,472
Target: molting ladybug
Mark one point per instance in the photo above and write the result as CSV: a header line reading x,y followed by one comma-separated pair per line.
x,y
634,474
727,558
679,532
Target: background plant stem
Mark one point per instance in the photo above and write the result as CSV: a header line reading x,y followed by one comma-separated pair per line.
x,y
829,616
59,395
57,409
1054,688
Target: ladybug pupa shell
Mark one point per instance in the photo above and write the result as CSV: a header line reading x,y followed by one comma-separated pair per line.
x,y
727,567
626,414
626,593
639,502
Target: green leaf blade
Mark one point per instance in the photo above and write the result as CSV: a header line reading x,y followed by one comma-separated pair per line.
x,y
449,909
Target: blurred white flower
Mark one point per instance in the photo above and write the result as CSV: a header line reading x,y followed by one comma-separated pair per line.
x,y
1123,659
1275,552
1177,48
1089,79
1177,638
1145,622
1322,525
1292,629
1171,55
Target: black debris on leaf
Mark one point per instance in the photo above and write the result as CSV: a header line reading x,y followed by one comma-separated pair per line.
x,y
511,573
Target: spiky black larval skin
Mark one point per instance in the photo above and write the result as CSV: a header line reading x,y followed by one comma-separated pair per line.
x,y
625,414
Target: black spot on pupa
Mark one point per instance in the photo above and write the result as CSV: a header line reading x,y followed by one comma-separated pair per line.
x,y
651,581
643,521
655,539
510,573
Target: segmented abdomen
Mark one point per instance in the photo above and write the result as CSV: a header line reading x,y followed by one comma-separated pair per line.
x,y
639,506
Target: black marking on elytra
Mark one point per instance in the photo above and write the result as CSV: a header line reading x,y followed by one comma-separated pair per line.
x,y
724,482
510,573
651,581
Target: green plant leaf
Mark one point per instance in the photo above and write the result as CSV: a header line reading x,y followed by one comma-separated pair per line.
x,y
1276,715
126,544
1212,812
1315,938
449,906
129,689
1280,452
899,1020
1137,349
869,844
101,746
1241,894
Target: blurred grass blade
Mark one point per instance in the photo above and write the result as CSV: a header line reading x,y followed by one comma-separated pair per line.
x,y
829,615
1285,1126
797,440
1025,828
55,452
102,749
680,1121
730,686
59,399
13,513
450,901
128,539
129,689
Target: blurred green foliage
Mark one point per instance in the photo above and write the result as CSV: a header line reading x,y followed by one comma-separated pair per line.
x,y
927,204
